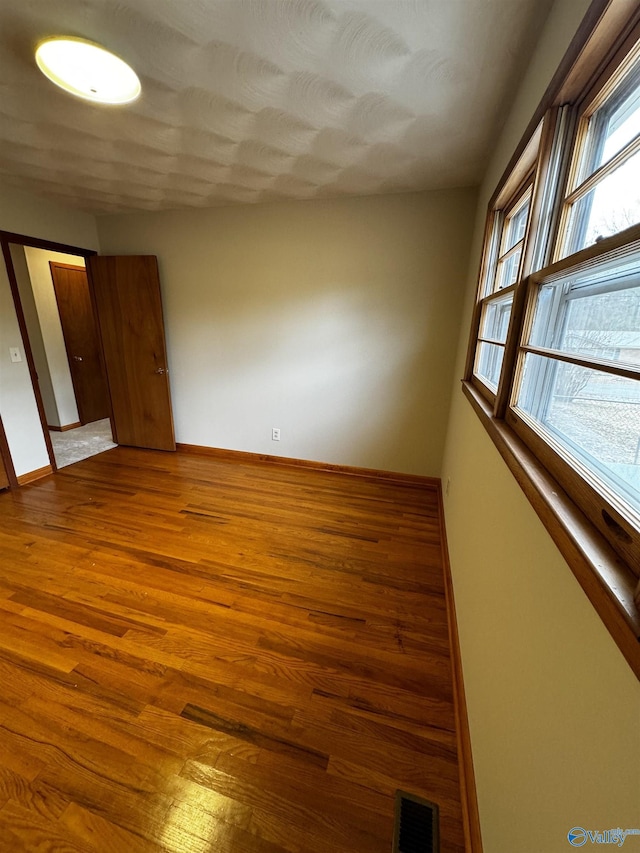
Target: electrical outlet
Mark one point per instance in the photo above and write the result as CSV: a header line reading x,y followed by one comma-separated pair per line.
x,y
275,434
447,487
14,353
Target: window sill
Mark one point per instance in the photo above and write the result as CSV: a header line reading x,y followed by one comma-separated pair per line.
x,y
607,581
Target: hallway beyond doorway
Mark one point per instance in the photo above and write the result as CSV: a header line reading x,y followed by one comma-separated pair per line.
x,y
81,443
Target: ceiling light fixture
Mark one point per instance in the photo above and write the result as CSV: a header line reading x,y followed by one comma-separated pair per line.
x,y
87,70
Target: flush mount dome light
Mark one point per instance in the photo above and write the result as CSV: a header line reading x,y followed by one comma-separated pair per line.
x,y
87,70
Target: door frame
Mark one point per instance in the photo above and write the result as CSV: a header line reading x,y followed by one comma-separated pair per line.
x,y
5,454
6,239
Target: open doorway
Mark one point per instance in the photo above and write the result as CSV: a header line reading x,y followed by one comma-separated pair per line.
x,y
127,308
63,337
82,442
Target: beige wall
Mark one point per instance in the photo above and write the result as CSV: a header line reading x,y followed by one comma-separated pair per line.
x,y
17,401
35,333
554,709
22,213
334,321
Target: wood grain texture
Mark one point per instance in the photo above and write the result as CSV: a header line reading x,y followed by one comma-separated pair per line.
x,y
198,654
7,474
579,62
4,476
608,583
468,792
126,292
32,476
81,341
245,456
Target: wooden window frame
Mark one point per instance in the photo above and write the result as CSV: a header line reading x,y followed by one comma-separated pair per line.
x,y
536,168
521,181
599,509
546,154
626,56
588,529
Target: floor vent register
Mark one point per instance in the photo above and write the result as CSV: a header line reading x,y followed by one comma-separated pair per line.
x,y
416,826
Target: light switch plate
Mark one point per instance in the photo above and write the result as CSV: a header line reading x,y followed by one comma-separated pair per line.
x,y
14,352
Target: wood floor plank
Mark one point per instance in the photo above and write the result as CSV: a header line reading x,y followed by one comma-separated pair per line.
x,y
39,797
24,829
386,785
93,830
201,654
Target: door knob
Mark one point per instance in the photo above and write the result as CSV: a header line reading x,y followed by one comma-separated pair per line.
x,y
77,358
160,370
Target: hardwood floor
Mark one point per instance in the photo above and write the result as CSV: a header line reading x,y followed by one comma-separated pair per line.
x,y
198,655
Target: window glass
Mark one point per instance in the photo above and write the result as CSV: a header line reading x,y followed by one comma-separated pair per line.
x,y
495,318
608,202
516,225
510,238
591,414
494,326
613,126
562,373
593,417
489,364
622,126
508,268
598,318
611,206
504,254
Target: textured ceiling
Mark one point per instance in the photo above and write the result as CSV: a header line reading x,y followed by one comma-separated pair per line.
x,y
253,100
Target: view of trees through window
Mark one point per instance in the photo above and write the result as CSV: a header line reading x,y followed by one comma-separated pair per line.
x,y
613,204
553,366
594,414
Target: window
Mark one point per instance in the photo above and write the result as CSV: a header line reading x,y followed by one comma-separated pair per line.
x,y
512,244
505,257
555,351
605,178
493,335
578,387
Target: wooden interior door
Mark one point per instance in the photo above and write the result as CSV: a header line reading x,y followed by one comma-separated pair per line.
x,y
126,290
7,474
81,341
4,477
